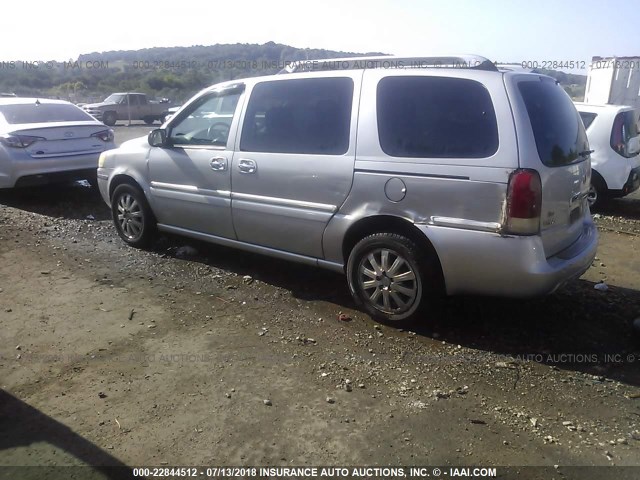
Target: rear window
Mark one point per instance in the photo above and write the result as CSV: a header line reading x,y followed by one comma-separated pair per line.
x,y
559,133
43,113
435,117
588,118
625,127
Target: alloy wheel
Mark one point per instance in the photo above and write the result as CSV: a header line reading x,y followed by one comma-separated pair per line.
x,y
388,281
130,216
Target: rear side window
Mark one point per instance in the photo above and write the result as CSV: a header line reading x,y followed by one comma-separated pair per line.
x,y
435,117
44,112
307,116
588,118
559,133
624,129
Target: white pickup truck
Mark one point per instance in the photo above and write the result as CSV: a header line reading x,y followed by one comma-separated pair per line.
x,y
127,106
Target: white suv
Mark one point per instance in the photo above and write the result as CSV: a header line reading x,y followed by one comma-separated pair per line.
x,y
413,176
613,137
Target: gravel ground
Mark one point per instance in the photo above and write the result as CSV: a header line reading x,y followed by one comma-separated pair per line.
x,y
192,354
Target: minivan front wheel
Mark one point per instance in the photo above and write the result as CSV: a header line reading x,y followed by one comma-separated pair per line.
x,y
132,215
386,275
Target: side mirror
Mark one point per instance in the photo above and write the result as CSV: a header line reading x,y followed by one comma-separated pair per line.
x,y
633,146
157,137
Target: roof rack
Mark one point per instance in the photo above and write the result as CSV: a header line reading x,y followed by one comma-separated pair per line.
x,y
475,62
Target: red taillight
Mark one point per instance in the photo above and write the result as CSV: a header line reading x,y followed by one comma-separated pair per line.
x,y
19,141
524,199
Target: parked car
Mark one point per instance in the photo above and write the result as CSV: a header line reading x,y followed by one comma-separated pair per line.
x,y
613,137
170,113
127,106
415,182
46,141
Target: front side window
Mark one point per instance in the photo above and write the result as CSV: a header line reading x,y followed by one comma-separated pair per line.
x,y
435,117
560,135
305,116
208,121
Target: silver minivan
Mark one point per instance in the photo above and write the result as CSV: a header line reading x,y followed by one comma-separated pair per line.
x,y
416,177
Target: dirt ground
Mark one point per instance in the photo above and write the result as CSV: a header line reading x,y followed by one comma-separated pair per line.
x,y
210,356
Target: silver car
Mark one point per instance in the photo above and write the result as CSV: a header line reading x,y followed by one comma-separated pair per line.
x,y
416,177
44,141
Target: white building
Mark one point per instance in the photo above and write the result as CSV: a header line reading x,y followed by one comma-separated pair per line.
x,y
613,80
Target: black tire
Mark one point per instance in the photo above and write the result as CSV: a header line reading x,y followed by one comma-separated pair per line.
x,y
372,286
132,216
597,196
149,120
109,119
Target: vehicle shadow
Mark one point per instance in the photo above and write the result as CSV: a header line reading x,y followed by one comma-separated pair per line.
x,y
628,208
72,201
576,328
23,426
303,281
576,320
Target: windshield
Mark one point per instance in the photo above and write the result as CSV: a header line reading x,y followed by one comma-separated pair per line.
x,y
43,113
114,98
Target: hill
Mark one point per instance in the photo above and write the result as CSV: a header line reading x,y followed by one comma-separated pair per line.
x,y
173,72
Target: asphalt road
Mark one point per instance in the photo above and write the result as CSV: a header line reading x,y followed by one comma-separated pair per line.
x,y
123,132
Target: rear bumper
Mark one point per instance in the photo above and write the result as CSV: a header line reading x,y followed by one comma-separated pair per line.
x,y
56,177
483,263
631,185
27,171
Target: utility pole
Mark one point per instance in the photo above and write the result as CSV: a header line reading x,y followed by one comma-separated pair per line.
x,y
129,107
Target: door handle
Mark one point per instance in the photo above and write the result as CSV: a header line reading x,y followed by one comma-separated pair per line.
x,y
218,164
247,166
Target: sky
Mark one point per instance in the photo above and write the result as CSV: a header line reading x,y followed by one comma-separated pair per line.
x,y
501,30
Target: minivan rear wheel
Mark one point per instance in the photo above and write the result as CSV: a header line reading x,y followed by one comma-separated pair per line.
x,y
388,276
132,216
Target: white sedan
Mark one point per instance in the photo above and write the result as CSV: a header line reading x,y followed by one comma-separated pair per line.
x,y
48,141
